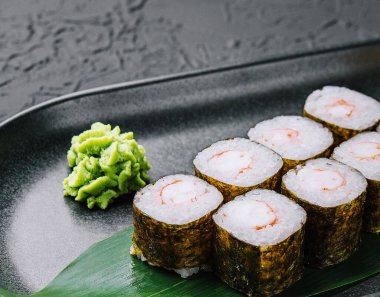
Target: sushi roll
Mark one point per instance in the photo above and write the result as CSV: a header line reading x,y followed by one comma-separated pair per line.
x,y
362,152
295,138
173,227
345,112
258,243
238,165
333,196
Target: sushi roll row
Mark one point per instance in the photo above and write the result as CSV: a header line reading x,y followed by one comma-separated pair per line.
x,y
231,216
257,237
351,116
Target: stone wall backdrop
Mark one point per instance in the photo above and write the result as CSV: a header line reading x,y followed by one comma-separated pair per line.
x,y
53,47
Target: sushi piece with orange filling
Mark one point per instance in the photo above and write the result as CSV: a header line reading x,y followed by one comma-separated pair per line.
x,y
238,165
345,112
173,227
258,246
362,152
333,196
295,138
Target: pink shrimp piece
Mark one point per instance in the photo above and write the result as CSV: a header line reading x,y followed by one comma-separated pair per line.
x,y
341,178
230,155
341,108
164,187
366,150
273,222
219,154
289,132
184,193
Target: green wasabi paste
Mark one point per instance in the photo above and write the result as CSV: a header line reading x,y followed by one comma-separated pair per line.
x,y
106,164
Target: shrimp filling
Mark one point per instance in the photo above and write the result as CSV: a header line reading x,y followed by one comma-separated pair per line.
x,y
343,107
321,179
260,217
280,136
293,137
181,192
255,214
366,150
340,108
178,199
233,162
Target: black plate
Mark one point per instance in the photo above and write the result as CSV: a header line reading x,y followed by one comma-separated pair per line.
x,y
173,117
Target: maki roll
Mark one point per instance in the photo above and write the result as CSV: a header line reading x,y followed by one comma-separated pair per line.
x,y
362,152
345,112
295,138
333,196
238,165
258,243
173,227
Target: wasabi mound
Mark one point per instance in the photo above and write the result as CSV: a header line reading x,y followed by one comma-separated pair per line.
x,y
106,164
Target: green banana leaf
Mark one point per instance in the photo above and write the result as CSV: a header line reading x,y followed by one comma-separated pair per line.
x,y
106,269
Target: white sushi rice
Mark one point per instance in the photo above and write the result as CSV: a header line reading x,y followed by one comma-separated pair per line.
x,y
361,152
238,162
325,182
293,137
343,107
183,272
261,217
178,199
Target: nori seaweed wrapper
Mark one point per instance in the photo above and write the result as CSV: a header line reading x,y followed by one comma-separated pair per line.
x,y
229,192
340,134
371,219
173,246
332,233
258,270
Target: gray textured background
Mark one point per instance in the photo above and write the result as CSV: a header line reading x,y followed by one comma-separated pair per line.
x,y
53,47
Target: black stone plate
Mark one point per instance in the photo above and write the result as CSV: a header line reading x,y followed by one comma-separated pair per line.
x,y
173,117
